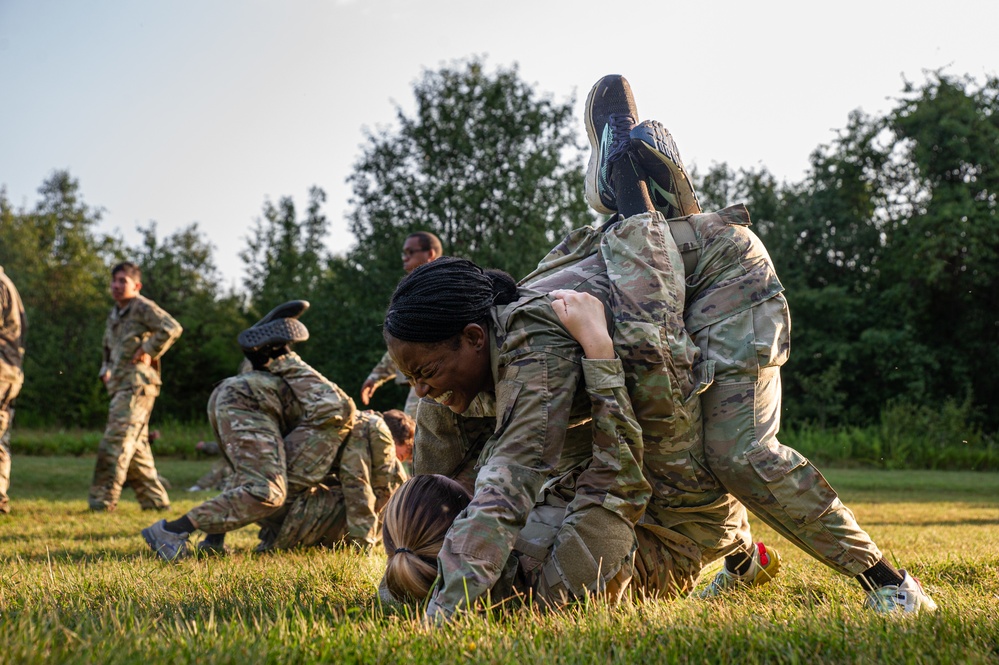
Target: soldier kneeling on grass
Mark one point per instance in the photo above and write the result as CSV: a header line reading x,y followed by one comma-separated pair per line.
x,y
306,465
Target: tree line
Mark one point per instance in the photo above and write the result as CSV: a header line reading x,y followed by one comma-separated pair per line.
x,y
888,248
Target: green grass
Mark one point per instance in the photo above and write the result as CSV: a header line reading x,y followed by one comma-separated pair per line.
x,y
81,587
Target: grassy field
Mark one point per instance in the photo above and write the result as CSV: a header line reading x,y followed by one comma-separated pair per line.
x,y
81,587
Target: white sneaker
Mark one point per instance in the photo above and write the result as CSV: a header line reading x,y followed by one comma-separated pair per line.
x,y
907,597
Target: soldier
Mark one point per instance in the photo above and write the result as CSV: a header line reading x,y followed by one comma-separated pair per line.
x,y
284,430
13,326
137,334
736,312
591,546
419,248
345,507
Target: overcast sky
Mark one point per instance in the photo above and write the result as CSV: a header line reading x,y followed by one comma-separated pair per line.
x,y
186,111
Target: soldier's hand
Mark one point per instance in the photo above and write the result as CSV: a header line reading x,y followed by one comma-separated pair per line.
x,y
583,316
367,390
141,358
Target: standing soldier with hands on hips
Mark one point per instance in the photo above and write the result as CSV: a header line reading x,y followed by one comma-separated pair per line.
x,y
137,335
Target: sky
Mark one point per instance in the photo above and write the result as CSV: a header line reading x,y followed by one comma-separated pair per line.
x,y
201,110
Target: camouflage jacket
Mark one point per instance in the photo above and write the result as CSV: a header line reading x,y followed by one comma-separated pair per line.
x,y
532,442
141,324
386,370
13,326
369,473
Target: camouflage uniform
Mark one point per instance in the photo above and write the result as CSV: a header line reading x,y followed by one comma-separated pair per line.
x,y
562,554
385,371
737,315
124,455
13,326
540,404
344,507
280,430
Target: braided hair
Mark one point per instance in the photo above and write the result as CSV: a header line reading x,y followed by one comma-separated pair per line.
x,y
438,299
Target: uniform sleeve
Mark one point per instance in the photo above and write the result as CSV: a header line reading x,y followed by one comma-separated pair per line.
x,y
534,397
164,328
105,352
613,479
384,371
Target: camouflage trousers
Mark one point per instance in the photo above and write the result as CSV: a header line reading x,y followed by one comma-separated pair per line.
x,y
124,456
561,559
741,420
315,517
268,469
8,391
248,429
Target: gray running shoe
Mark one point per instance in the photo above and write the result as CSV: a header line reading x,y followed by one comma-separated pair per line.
x,y
168,546
611,114
669,185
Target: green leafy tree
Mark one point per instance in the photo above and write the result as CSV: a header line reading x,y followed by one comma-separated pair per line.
x,y
486,163
285,256
60,266
179,273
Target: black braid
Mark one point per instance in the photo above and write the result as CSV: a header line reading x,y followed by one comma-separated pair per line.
x,y
438,299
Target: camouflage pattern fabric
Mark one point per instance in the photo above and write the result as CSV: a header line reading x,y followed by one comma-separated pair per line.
x,y
369,474
13,326
385,371
124,456
250,414
579,539
281,432
739,318
216,477
327,417
538,432
344,508
140,324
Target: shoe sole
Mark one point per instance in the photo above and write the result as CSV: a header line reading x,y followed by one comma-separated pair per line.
x,y
593,166
289,310
282,331
592,189
657,153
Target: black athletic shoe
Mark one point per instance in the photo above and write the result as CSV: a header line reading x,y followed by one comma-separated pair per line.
x,y
611,114
274,333
669,186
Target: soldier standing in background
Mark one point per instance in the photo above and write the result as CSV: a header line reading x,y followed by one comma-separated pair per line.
x,y
13,326
419,248
137,335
